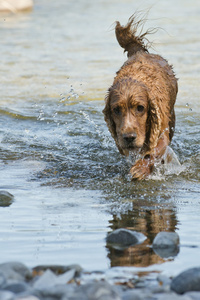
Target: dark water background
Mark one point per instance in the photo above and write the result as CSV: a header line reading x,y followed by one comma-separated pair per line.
x,y
57,158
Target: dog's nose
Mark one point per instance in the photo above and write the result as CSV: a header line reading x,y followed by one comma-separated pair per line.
x,y
129,137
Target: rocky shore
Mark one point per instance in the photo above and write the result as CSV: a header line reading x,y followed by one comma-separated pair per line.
x,y
18,282
71,282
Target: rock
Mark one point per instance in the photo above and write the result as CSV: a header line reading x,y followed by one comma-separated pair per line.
x,y
49,279
2,280
6,199
16,288
6,295
123,238
15,5
169,296
186,281
166,244
15,271
193,295
138,294
57,269
95,291
30,297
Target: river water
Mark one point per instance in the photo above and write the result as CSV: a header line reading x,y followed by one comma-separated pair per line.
x,y
57,158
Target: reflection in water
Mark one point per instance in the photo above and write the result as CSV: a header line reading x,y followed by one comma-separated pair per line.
x,y
149,222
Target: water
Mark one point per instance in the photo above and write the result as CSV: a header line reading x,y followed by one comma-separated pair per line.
x,y
57,158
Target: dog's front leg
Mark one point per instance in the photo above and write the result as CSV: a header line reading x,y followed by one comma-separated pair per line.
x,y
144,167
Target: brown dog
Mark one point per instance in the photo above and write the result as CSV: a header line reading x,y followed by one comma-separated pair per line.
x,y
139,108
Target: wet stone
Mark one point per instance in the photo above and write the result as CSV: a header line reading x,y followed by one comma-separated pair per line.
x,y
122,238
96,291
137,295
166,244
15,271
49,279
16,288
186,281
6,295
6,199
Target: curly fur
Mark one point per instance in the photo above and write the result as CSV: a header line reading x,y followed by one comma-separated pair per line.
x,y
149,78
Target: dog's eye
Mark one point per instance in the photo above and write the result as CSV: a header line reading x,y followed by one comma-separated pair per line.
x,y
117,110
140,108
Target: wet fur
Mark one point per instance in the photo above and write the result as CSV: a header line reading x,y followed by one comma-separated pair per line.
x,y
148,79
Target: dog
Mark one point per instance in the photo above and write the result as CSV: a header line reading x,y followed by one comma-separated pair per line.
x,y
139,106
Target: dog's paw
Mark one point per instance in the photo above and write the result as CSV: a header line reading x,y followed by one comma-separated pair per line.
x,y
141,169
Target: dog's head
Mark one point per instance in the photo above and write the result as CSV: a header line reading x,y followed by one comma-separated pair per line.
x,y
132,116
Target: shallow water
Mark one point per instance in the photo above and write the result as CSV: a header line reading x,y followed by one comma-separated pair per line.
x,y
57,158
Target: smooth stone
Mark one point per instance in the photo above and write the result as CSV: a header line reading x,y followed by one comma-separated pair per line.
x,y
16,288
166,240
6,199
6,295
2,280
49,279
95,291
169,296
137,295
186,281
193,295
166,244
122,238
27,298
15,271
57,292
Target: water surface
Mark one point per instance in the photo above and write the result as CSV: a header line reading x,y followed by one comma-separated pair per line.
x,y
57,158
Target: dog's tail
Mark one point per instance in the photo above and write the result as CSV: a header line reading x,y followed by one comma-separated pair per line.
x,y
128,38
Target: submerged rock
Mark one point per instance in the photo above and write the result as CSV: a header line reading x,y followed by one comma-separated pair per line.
x,y
123,238
166,244
6,199
186,281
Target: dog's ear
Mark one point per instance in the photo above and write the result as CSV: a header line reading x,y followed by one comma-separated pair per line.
x,y
154,123
109,120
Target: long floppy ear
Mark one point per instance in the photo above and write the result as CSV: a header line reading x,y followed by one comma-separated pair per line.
x,y
109,120
154,123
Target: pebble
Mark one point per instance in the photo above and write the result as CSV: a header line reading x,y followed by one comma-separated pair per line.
x,y
6,199
186,281
166,244
54,282
122,238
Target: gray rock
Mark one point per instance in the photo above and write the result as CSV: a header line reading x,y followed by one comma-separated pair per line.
x,y
6,199
95,291
193,295
137,294
30,297
166,244
15,271
57,292
2,280
186,281
49,279
6,295
123,238
170,296
16,288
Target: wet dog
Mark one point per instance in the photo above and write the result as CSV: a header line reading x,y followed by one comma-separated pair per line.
x,y
139,109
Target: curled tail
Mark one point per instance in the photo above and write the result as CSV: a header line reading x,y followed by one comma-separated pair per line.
x,y
128,38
